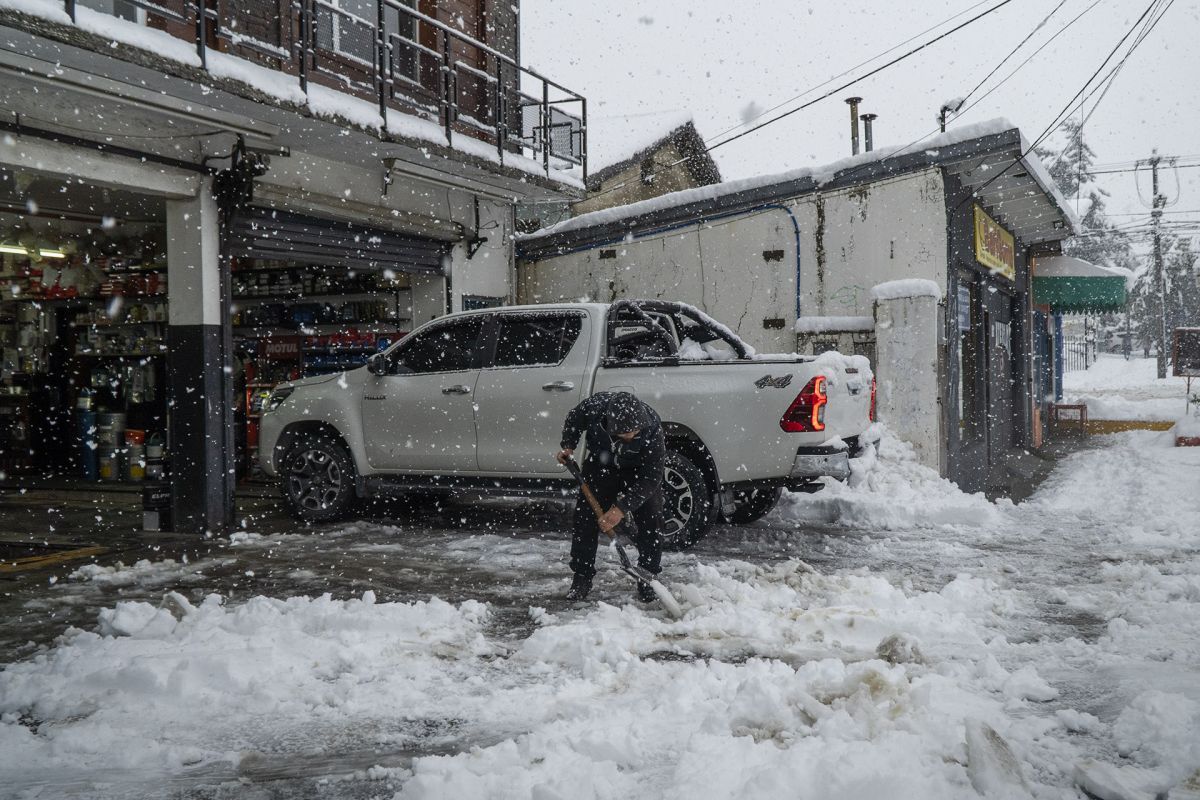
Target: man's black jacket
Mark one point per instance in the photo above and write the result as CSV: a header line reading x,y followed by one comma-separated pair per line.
x,y
639,463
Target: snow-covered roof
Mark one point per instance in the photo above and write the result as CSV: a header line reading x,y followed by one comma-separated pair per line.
x,y
934,150
614,139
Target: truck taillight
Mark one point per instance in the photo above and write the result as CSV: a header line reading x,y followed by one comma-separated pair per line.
x,y
807,411
873,400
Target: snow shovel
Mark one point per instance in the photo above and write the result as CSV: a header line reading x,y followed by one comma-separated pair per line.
x,y
628,567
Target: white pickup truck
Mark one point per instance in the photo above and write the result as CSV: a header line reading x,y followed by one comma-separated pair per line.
x,y
475,401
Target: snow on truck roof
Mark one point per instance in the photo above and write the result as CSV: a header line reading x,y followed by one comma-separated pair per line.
x,y
959,150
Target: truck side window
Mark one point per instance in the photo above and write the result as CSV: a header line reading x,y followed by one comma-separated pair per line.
x,y
446,348
529,340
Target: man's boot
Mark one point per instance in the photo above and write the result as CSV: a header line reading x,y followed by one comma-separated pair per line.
x,y
580,588
645,592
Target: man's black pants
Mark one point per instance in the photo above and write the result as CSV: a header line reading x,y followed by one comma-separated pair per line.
x,y
605,483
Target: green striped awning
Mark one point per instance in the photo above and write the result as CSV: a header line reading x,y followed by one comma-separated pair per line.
x,y
1067,285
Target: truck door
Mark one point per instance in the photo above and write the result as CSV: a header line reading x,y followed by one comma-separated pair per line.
x,y
420,416
534,375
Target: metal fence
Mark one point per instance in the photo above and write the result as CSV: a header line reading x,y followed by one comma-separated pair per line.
x,y
1079,352
399,58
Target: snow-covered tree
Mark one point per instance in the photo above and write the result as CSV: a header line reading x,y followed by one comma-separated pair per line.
x,y
1181,291
1098,240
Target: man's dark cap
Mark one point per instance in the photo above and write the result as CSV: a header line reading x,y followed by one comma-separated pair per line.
x,y
624,414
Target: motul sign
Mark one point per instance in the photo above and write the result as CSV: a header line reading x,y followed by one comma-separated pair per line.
x,y
280,348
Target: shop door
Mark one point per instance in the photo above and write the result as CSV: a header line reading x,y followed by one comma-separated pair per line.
x,y
972,453
420,416
998,330
535,376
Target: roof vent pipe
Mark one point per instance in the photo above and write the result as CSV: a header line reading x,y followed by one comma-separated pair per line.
x,y
868,139
854,101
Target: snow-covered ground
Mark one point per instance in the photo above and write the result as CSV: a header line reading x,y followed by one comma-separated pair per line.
x,y
1113,388
883,639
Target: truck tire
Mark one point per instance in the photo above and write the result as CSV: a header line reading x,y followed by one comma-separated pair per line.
x,y
753,504
317,478
687,503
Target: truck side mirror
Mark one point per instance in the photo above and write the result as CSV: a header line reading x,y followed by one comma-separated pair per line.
x,y
376,365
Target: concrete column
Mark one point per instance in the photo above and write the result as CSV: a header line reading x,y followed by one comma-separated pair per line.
x,y
200,368
906,373
428,298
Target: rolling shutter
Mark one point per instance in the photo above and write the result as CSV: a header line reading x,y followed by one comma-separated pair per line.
x,y
268,233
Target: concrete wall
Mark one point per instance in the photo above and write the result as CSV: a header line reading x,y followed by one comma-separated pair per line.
x,y
907,331
743,270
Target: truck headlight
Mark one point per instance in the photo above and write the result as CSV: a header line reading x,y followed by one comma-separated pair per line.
x,y
277,397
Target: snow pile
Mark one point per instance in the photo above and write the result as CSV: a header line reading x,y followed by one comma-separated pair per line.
x,y
906,287
1116,388
824,324
162,687
889,489
771,681
1149,511
143,572
1187,427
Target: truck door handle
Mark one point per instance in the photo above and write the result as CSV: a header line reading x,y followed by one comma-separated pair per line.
x,y
558,386
459,389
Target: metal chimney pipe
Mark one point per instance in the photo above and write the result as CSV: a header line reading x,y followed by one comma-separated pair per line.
x,y
853,102
868,139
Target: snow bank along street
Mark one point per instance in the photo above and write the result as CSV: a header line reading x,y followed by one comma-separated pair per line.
x,y
843,649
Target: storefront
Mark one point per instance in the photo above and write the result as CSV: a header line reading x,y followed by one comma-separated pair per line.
x,y
83,335
310,296
90,363
988,351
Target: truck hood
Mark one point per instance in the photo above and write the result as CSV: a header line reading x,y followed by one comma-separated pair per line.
x,y
313,381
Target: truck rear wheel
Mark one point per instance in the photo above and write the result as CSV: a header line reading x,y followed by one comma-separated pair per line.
x,y
753,504
318,478
687,503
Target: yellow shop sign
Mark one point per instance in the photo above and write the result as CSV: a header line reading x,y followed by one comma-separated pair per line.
x,y
995,247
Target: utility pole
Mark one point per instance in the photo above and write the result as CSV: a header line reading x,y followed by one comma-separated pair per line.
x,y
1158,201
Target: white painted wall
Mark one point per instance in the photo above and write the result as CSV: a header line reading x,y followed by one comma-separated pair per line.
x,y
718,267
850,241
907,330
856,239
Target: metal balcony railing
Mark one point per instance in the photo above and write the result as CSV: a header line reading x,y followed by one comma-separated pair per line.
x,y
402,60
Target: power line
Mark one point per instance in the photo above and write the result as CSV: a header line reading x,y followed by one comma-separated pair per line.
x,y
1013,52
1143,214
1135,169
843,74
1112,77
861,78
1063,114
962,110
712,147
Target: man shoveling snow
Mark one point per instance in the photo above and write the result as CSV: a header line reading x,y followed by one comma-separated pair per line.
x,y
624,467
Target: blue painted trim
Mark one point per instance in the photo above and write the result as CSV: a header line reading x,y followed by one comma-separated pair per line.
x,y
1059,356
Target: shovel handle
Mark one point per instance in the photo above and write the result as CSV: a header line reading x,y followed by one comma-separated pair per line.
x,y
573,468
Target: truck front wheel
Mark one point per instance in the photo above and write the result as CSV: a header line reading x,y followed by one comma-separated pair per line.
x,y
687,503
318,478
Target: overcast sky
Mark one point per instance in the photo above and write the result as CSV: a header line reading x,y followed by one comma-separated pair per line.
x,y
725,61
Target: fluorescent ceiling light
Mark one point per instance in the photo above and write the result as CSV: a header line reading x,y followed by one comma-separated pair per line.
x,y
21,251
